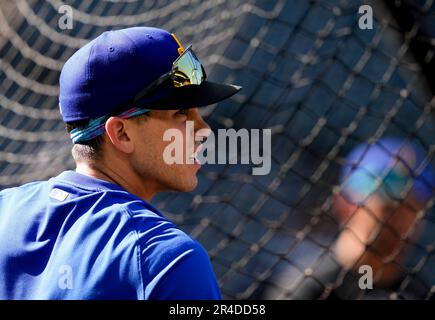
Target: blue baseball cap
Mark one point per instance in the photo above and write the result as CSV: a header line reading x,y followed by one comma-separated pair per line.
x,y
104,76
392,167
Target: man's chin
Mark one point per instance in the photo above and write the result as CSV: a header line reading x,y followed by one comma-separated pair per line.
x,y
186,185
192,185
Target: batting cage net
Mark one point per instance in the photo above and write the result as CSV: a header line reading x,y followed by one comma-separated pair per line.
x,y
346,210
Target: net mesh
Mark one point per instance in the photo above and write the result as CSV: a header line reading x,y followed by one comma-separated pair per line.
x,y
308,71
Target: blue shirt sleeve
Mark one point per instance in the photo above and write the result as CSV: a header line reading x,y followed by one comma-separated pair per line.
x,y
173,265
189,277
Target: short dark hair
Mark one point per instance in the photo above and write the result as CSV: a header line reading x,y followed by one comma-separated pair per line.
x,y
90,150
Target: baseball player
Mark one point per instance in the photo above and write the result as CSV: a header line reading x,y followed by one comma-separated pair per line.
x,y
383,186
92,233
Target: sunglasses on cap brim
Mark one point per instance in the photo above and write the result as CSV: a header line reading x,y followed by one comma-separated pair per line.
x,y
186,70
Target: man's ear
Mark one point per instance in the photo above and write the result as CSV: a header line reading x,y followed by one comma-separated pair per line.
x,y
118,134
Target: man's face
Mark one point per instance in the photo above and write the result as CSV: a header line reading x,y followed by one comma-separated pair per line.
x,y
147,159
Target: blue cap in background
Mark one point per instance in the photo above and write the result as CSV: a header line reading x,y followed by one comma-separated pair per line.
x,y
392,167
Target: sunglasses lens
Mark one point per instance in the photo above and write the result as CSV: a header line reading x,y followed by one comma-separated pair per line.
x,y
188,70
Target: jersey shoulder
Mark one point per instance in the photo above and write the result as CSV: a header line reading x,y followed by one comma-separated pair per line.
x,y
174,266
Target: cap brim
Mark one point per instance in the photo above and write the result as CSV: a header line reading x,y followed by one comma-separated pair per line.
x,y
194,96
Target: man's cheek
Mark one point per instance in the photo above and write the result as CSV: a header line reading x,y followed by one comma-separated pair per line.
x,y
176,148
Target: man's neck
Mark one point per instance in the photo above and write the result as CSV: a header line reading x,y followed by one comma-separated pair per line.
x,y
129,182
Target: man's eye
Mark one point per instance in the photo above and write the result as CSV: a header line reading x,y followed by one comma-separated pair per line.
x,y
181,112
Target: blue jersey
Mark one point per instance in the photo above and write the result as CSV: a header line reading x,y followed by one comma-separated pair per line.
x,y
78,237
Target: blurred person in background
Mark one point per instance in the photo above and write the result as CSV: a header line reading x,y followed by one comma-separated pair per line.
x,y
384,187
